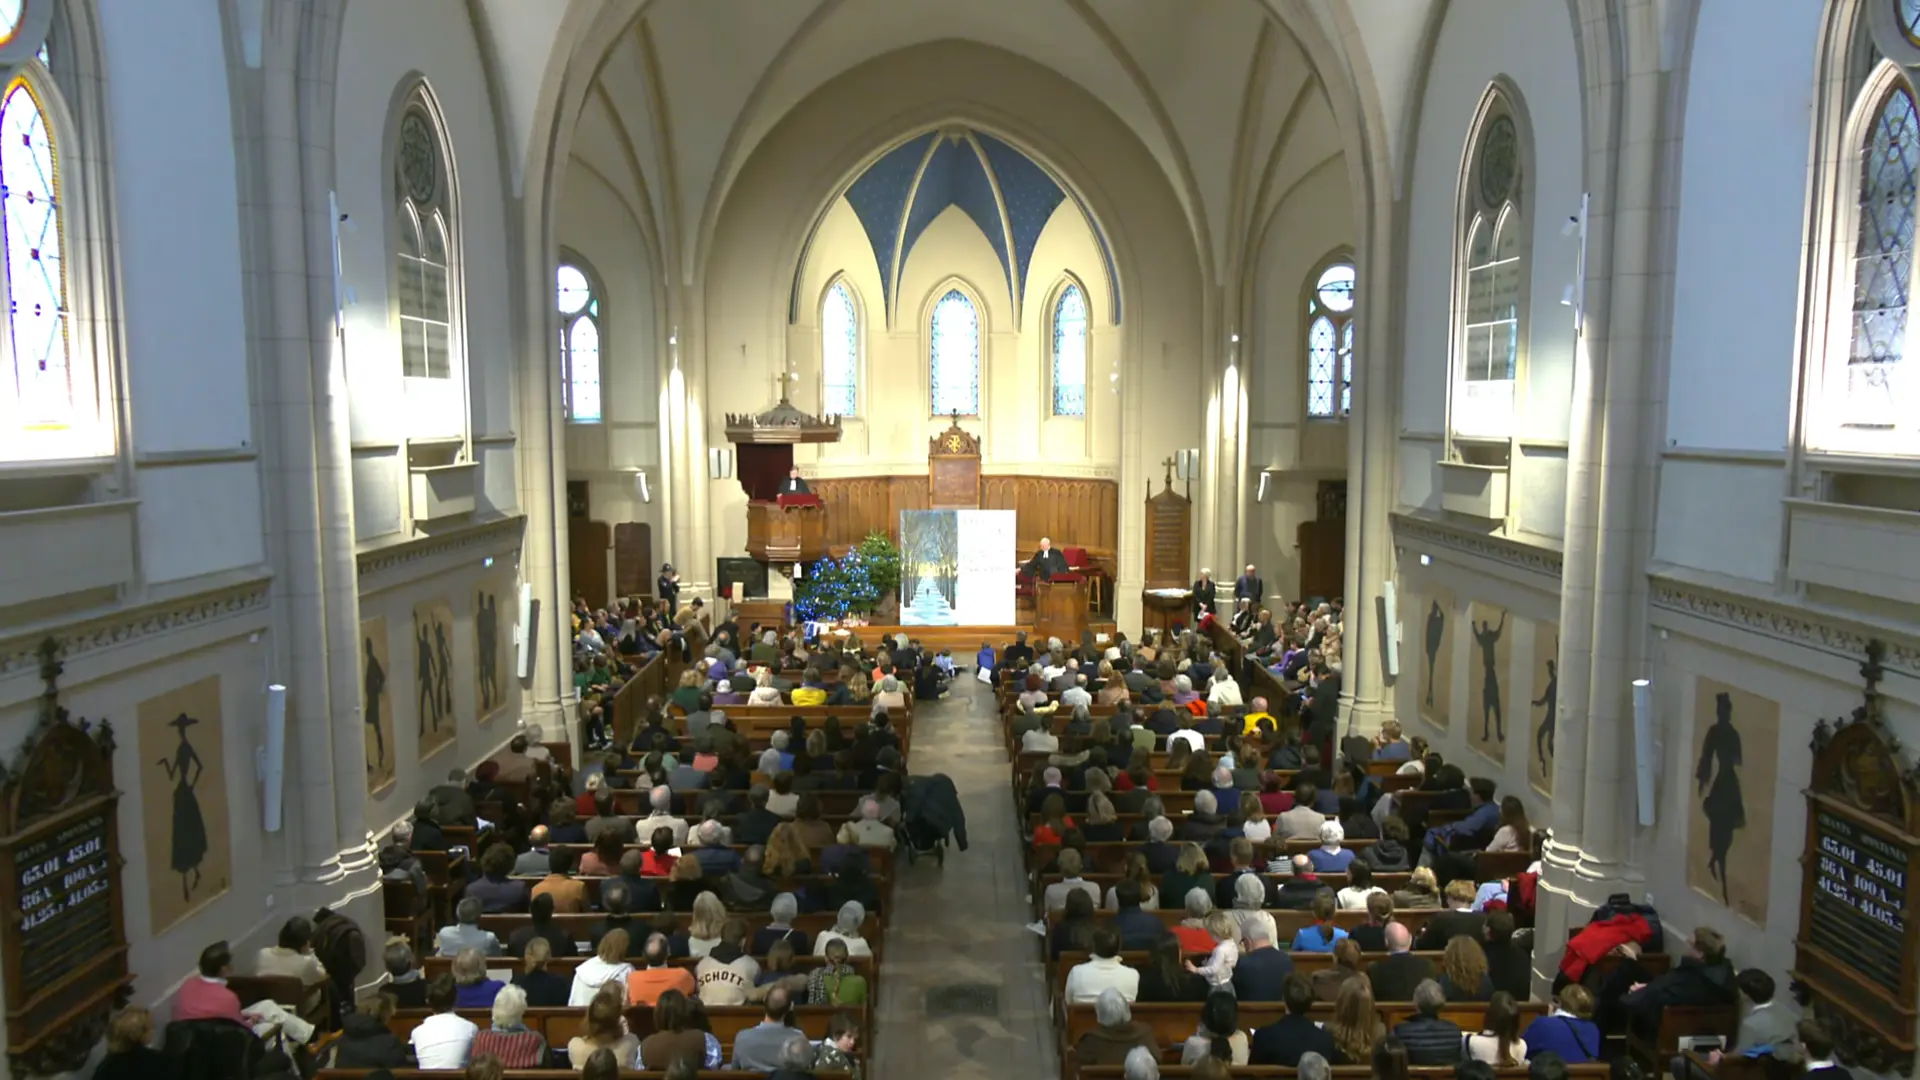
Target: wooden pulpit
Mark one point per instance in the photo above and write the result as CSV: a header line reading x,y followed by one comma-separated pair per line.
x,y
1060,607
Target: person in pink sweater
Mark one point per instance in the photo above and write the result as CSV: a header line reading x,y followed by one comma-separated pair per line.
x,y
204,996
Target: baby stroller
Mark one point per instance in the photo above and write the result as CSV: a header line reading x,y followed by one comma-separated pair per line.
x,y
929,811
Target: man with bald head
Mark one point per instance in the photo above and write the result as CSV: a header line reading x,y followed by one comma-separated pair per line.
x,y
1395,977
1046,562
758,1048
533,863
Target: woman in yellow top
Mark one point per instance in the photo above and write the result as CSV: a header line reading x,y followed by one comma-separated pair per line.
x,y
810,691
1256,712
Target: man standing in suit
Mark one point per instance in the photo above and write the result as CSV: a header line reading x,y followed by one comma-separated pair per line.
x,y
1046,562
1263,971
794,485
1283,1041
1203,594
1394,978
1249,586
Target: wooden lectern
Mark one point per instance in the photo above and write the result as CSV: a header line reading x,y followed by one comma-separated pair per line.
x,y
1060,607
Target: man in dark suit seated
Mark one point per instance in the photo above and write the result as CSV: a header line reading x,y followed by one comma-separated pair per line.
x,y
1283,1041
1263,971
1395,977
1046,562
1508,965
1702,977
1459,918
1139,930
1298,891
1159,849
1240,854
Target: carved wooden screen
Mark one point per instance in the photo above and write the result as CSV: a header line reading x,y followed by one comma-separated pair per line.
x,y
1854,956
953,470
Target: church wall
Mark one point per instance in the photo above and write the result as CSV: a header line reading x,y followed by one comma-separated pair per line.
x,y
596,227
395,589
392,45
841,251
1310,224
155,652
1468,582
178,242
1531,47
748,270
1742,646
1736,303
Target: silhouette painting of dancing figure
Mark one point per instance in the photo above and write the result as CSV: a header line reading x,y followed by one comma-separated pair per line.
x,y
1436,629
443,668
427,698
486,623
1725,810
1490,712
1543,735
189,827
373,683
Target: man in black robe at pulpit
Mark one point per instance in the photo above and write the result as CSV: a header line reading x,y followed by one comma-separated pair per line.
x,y
794,485
1046,562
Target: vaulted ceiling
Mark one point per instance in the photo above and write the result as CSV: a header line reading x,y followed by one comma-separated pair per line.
x,y
1219,91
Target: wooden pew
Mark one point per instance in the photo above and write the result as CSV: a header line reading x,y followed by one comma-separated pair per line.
x,y
1172,1023
879,860
1592,1070
1286,921
561,1025
558,1074
511,965
816,884
582,924
1304,962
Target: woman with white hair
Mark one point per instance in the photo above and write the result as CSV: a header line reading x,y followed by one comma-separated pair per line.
x,y
775,757
1118,1034
1330,857
1183,690
764,692
888,695
1141,1064
1040,740
1249,896
846,929
1192,930
510,1039
1224,692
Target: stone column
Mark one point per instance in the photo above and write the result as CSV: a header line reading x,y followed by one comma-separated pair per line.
x,y
1372,449
542,469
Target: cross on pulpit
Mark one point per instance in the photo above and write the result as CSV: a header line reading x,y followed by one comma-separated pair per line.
x,y
1169,465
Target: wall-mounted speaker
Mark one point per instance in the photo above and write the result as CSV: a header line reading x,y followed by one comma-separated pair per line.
x,y
1643,761
1390,627
641,490
719,462
523,634
273,759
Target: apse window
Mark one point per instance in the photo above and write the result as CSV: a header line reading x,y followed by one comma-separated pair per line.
x,y
54,407
1070,353
1330,314
425,263
839,352
954,342
579,343
1487,354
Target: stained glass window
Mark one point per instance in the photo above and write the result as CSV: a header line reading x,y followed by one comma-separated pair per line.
x,y
1320,366
1883,262
839,352
37,308
1070,353
1330,315
425,259
579,343
955,349
1908,11
11,12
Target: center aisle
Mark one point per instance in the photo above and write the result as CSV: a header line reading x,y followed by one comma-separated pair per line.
x,y
962,991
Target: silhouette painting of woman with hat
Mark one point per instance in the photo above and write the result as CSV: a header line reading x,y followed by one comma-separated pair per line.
x,y
1726,811
189,828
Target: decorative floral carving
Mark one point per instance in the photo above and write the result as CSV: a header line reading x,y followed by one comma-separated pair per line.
x,y
1797,626
22,655
1498,549
492,534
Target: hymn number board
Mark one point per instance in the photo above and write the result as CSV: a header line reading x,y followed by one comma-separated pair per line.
x,y
63,882
1854,957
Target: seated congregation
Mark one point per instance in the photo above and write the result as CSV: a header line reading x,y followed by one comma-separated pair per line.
x,y
709,891
1220,895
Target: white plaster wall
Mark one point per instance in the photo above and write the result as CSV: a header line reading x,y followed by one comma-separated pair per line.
x,y
1722,516
179,249
597,226
1529,601
1532,46
391,45
455,578
1743,194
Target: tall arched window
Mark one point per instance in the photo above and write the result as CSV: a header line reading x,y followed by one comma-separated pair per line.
x,y
579,343
1070,353
426,263
954,348
1492,267
1330,314
839,352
